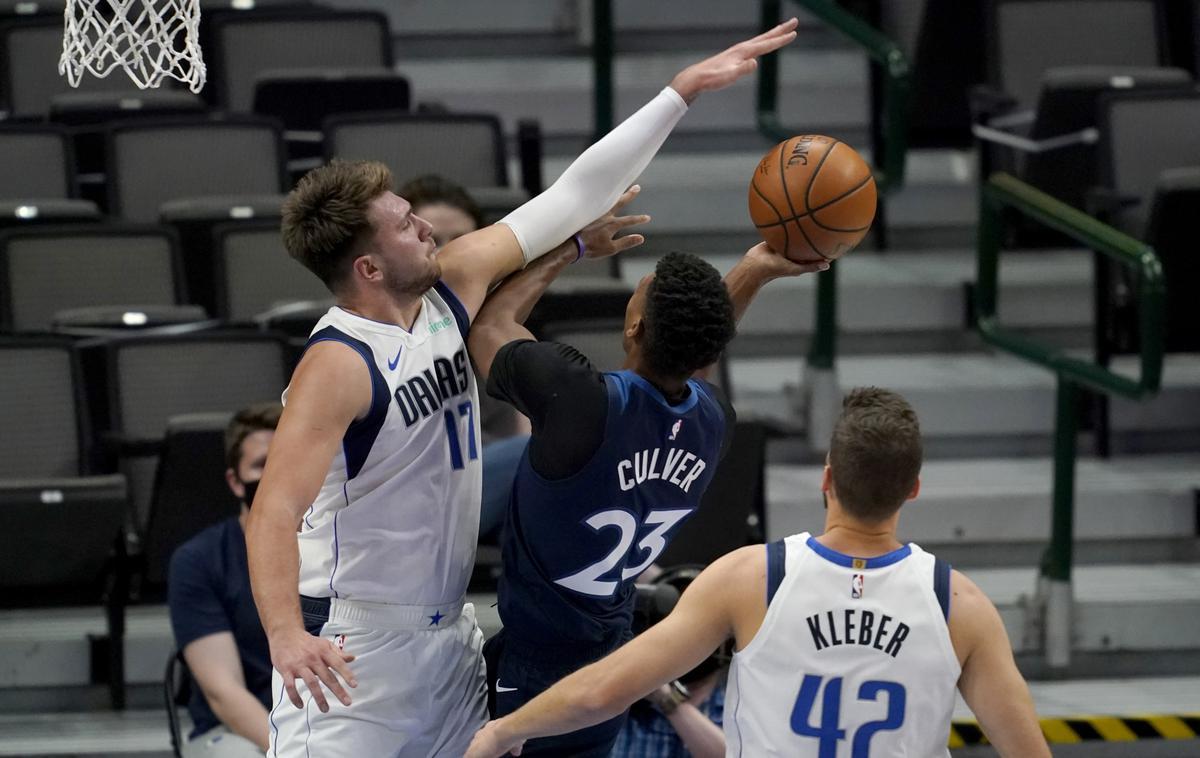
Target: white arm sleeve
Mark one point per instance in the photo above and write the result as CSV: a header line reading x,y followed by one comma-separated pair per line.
x,y
592,184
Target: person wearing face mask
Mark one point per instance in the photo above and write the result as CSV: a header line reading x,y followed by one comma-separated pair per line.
x,y
213,616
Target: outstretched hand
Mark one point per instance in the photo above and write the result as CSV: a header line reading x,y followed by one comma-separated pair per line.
x,y
772,265
599,237
727,67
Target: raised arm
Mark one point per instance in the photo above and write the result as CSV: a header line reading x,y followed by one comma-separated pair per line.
x,y
502,318
590,185
990,681
330,389
711,609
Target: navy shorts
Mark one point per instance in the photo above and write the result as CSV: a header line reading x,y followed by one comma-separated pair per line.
x,y
516,677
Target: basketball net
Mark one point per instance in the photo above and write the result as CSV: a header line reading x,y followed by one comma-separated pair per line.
x,y
150,39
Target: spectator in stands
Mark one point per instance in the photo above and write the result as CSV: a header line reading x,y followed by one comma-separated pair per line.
x,y
453,213
213,615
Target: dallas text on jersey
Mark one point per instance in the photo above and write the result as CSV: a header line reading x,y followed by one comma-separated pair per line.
x,y
425,393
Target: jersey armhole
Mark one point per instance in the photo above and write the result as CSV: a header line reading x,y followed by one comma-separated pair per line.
x,y
941,585
776,567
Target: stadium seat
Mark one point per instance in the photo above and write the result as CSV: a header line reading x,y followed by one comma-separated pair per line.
x,y
153,378
255,274
38,182
44,485
242,46
25,8
301,99
45,270
189,488
1170,230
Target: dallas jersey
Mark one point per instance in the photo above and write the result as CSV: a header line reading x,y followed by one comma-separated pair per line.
x,y
853,659
397,518
574,546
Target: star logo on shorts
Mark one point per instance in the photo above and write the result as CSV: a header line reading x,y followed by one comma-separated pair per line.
x,y
436,619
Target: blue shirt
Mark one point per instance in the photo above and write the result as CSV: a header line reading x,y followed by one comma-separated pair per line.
x,y
574,545
208,591
648,733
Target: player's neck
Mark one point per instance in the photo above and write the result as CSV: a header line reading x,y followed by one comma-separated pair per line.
x,y
851,537
383,307
674,390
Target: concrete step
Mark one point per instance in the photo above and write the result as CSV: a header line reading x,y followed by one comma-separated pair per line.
x,y
967,398
1006,501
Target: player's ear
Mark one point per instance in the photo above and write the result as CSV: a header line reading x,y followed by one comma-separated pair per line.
x,y
364,267
635,329
235,485
916,490
826,479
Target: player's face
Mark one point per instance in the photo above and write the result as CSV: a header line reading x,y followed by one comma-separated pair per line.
x,y
449,222
403,245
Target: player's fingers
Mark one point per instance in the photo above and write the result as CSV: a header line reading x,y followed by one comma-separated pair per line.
x,y
290,686
762,47
626,197
314,690
775,32
338,662
630,240
624,221
330,680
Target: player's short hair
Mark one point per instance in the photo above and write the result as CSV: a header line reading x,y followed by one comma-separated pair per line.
x,y
431,189
327,212
875,453
688,317
256,418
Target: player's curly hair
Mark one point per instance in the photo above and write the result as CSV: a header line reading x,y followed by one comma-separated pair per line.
x,y
688,317
324,216
875,454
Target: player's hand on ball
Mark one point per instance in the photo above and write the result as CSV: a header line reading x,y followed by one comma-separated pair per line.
x,y
727,67
490,743
599,237
299,655
773,265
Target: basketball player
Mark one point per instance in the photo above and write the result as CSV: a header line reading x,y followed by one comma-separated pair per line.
x,y
370,501
615,464
849,644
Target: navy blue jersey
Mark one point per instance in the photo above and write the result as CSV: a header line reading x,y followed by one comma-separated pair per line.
x,y
573,546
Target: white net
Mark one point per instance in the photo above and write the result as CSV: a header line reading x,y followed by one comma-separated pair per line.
x,y
150,39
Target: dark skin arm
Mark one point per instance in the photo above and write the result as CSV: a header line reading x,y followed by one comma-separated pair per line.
x,y
502,318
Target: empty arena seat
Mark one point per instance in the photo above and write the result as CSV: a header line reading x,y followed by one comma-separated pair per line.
x,y
25,8
153,378
467,149
41,403
153,161
46,270
38,181
242,46
255,274
301,99
189,489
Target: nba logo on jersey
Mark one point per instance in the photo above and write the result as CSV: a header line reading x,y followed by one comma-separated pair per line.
x,y
675,429
856,586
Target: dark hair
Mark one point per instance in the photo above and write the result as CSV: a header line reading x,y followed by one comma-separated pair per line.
x,y
327,211
689,316
875,453
431,189
256,418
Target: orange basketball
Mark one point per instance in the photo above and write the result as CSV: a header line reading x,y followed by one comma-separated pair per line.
x,y
812,198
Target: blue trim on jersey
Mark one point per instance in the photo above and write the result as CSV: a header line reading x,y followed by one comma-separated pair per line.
x,y
360,435
632,377
776,567
842,559
941,585
456,307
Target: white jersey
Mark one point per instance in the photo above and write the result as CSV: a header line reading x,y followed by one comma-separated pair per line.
x,y
397,518
853,659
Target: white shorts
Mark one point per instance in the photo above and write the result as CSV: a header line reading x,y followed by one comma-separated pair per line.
x,y
421,691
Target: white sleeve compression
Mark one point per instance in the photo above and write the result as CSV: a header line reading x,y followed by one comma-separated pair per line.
x,y
592,184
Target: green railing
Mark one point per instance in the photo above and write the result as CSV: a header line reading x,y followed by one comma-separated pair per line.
x,y
890,156
1003,191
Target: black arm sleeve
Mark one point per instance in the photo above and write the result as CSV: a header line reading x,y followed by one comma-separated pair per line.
x,y
564,397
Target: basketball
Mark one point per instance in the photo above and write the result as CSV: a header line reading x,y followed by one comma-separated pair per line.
x,y
812,198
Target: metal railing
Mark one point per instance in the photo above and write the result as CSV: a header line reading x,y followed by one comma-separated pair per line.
x,y
890,153
1004,191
